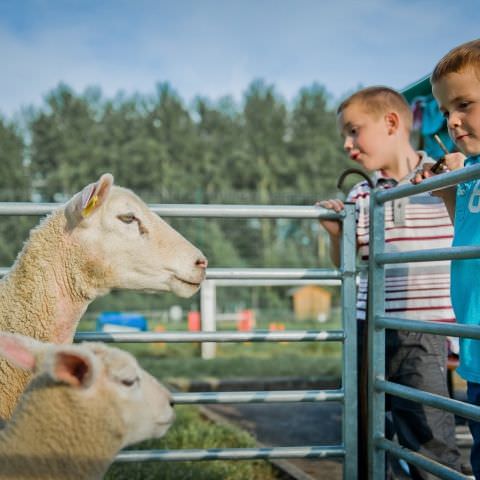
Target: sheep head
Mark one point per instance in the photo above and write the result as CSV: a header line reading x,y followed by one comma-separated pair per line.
x,y
117,230
101,377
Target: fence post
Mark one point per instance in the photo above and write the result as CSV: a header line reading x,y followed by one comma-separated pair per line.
x,y
376,339
349,325
208,305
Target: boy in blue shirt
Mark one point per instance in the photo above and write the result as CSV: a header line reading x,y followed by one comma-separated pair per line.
x,y
456,87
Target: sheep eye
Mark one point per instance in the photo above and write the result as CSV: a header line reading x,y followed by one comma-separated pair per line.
x,y
127,218
130,382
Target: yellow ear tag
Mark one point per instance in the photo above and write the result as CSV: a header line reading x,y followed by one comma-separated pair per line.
x,y
87,210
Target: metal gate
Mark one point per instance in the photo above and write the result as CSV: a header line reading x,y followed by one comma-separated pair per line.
x,y
378,322
346,394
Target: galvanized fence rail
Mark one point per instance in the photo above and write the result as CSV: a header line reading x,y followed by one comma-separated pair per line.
x,y
378,322
347,335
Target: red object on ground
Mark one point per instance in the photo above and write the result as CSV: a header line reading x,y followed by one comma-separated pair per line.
x,y
276,327
193,321
246,321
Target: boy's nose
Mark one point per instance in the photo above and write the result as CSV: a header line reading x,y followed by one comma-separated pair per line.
x,y
453,120
347,144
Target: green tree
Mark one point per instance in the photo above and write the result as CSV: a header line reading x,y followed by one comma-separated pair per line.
x,y
15,177
265,117
219,130
65,143
14,186
315,143
170,125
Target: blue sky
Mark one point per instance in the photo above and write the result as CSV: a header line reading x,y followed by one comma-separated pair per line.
x,y
214,48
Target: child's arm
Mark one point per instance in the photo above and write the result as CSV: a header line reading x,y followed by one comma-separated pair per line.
x,y
448,195
333,228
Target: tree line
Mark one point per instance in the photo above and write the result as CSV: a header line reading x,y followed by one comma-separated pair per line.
x,y
262,151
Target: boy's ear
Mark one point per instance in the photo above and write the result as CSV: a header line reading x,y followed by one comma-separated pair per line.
x,y
392,121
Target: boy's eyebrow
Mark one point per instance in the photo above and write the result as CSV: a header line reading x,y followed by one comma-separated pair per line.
x,y
459,97
453,100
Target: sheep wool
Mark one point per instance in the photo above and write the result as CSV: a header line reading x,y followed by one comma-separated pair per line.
x,y
84,404
104,238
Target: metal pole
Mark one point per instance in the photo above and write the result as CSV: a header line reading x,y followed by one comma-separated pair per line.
x,y
192,211
207,307
376,339
349,325
231,453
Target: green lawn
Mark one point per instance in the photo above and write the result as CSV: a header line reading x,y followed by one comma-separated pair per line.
x,y
247,359
190,430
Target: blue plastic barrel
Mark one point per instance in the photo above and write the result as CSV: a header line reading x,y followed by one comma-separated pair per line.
x,y
121,322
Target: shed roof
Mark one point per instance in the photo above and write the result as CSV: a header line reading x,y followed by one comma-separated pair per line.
x,y
293,291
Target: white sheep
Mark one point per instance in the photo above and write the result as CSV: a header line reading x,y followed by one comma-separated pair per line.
x,y
104,238
84,403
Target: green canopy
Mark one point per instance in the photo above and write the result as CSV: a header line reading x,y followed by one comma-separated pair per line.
x,y
419,96
420,88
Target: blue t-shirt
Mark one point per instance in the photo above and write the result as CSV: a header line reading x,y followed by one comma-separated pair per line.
x,y
465,278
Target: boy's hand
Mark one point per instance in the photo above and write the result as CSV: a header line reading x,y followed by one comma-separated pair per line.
x,y
423,173
451,161
454,161
333,227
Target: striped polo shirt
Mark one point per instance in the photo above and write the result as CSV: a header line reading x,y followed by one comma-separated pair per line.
x,y
418,291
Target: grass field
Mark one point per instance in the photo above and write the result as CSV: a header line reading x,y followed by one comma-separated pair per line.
x,y
247,359
191,430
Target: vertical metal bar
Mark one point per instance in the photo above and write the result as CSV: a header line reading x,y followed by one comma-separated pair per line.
x,y
208,306
349,325
376,339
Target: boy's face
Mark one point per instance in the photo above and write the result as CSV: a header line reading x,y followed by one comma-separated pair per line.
x,y
458,97
366,137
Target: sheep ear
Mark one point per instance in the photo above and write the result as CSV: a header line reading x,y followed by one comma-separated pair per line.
x,y
86,202
73,368
19,350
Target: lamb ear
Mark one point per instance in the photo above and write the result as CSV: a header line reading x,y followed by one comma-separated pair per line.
x,y
19,350
86,202
74,368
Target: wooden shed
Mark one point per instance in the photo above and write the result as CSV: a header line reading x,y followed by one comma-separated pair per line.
x,y
311,301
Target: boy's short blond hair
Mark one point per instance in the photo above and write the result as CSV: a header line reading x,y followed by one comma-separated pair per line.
x,y
458,59
378,101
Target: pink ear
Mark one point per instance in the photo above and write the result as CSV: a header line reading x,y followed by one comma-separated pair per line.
x,y
73,369
94,195
86,202
17,350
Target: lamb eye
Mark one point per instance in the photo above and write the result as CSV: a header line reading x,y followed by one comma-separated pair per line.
x,y
130,382
127,218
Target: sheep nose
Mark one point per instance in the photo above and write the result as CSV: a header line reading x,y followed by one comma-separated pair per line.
x,y
201,262
172,403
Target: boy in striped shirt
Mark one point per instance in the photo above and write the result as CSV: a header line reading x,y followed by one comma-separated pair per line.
x,y
375,124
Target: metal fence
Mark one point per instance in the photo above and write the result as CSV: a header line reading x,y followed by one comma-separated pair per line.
x,y
378,322
346,394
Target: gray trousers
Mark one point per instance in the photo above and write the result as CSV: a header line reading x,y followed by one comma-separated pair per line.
x,y
418,360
